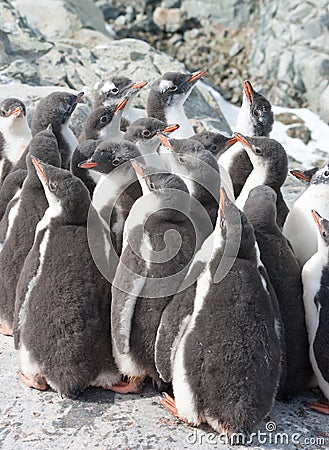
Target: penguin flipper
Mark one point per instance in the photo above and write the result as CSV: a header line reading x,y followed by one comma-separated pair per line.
x,y
12,183
127,286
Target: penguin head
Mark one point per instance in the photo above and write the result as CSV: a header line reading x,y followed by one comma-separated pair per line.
x,y
188,153
110,155
12,108
145,129
216,143
44,146
166,191
56,109
321,176
304,176
173,88
235,230
260,110
100,120
64,192
268,154
260,207
110,91
323,229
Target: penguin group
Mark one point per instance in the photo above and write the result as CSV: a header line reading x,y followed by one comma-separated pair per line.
x,y
140,250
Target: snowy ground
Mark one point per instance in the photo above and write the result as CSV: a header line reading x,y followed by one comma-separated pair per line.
x,y
101,419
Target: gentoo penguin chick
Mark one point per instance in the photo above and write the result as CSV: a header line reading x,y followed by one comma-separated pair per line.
x,y
166,99
104,122
285,276
143,133
84,151
159,243
109,91
118,188
270,167
17,226
62,317
299,227
199,170
56,109
15,134
255,119
231,335
315,276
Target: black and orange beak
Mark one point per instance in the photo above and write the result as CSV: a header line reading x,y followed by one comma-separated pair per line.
x,y
249,91
317,219
38,166
170,128
79,97
300,175
138,85
88,164
231,142
244,141
17,111
137,168
194,76
120,106
165,141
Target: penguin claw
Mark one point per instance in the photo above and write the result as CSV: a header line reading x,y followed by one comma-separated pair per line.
x,y
170,405
4,329
322,407
134,386
36,381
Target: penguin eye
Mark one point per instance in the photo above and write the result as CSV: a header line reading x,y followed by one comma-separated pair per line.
x,y
115,90
213,148
3,113
151,186
116,162
258,151
324,234
103,119
256,112
222,223
182,159
326,173
52,186
146,133
173,88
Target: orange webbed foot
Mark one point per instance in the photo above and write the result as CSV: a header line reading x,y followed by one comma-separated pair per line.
x,y
322,407
134,386
169,403
4,329
36,381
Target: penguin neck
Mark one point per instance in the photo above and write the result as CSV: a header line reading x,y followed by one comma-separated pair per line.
x,y
176,114
150,155
226,159
256,178
182,171
17,135
68,137
323,250
111,186
112,130
244,124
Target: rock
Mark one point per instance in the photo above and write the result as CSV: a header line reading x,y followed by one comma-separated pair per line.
x,y
67,16
228,12
288,118
171,3
235,49
300,132
169,20
130,14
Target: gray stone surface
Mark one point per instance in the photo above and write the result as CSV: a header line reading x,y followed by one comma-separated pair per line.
x,y
66,16
290,52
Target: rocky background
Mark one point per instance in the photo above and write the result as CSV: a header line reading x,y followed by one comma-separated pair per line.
x,y
280,45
